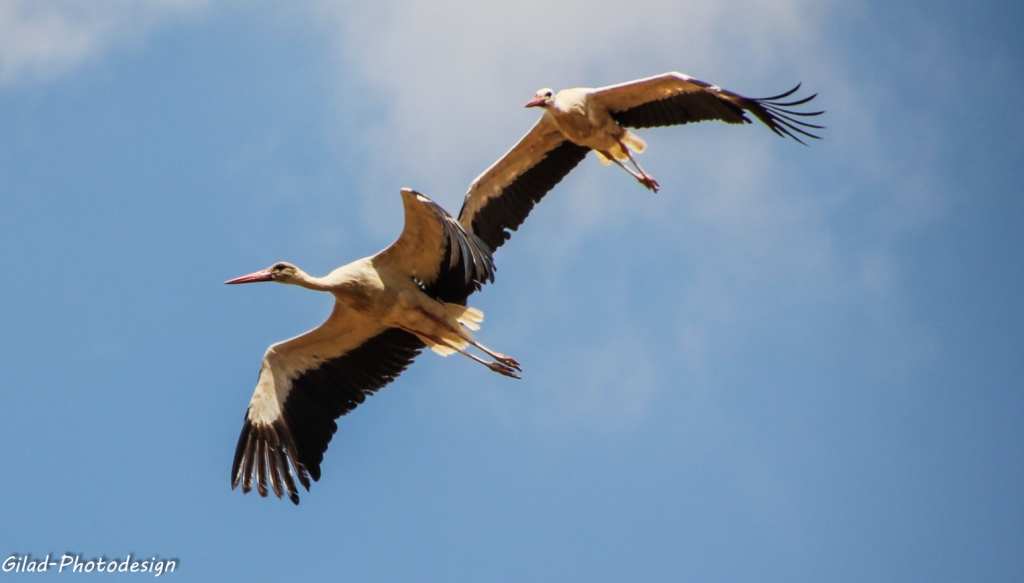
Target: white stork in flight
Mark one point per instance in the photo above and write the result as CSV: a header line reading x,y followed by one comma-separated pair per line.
x,y
387,308
578,120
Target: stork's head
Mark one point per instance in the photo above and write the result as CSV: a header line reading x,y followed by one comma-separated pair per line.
x,y
280,272
543,98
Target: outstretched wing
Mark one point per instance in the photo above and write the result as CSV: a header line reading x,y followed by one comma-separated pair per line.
x,y
674,99
501,198
434,245
304,385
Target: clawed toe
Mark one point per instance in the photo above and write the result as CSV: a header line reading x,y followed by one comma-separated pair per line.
x,y
505,365
509,362
503,369
650,183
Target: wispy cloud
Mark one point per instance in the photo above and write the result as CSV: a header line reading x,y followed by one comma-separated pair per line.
x,y
454,75
754,215
42,39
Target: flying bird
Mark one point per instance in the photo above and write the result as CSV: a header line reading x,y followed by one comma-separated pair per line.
x,y
387,308
576,121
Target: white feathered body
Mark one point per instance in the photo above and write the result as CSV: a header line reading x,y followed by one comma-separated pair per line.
x,y
586,122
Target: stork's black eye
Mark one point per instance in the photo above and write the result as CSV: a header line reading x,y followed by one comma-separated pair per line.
x,y
548,94
279,267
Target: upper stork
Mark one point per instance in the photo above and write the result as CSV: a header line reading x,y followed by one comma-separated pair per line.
x,y
387,308
578,120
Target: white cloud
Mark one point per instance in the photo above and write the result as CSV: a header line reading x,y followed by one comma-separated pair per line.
x,y
446,82
454,75
42,39
752,213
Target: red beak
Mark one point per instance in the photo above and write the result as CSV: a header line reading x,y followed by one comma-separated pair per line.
x,y
252,277
536,101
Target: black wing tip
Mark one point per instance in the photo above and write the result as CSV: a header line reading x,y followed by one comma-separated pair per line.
x,y
782,95
778,115
240,449
262,456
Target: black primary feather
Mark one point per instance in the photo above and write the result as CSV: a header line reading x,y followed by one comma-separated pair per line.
x,y
504,213
721,105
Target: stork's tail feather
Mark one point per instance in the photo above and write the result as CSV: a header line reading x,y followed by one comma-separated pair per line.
x,y
469,317
633,142
450,342
446,344
604,160
442,349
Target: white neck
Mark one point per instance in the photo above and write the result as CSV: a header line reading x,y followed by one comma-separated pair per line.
x,y
303,279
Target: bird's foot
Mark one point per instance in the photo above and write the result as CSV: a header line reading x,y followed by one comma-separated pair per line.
x,y
649,182
508,361
502,369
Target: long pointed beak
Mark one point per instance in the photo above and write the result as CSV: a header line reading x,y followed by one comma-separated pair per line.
x,y
252,277
536,102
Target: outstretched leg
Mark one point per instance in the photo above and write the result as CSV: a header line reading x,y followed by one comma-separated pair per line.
x,y
498,367
506,365
645,178
642,177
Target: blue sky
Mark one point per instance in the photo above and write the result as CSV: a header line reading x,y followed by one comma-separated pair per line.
x,y
791,364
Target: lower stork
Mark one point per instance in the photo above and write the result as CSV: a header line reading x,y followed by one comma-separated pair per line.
x,y
387,308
